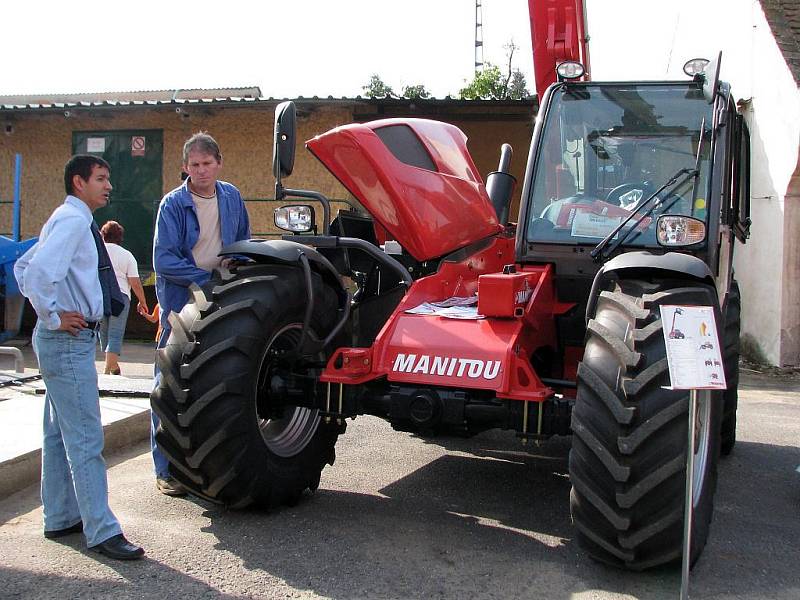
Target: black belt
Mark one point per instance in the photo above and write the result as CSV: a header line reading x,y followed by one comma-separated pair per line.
x,y
94,325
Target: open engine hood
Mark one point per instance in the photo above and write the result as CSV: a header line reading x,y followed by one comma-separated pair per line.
x,y
416,178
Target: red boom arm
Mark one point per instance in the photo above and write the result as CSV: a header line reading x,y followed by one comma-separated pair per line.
x,y
558,33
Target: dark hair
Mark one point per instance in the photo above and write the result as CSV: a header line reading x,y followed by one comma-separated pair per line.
x,y
202,142
81,165
112,232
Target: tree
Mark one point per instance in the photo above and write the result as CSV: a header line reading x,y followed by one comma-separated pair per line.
x,y
376,88
518,88
486,84
416,91
489,83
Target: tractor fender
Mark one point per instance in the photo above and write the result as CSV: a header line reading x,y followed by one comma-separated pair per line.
x,y
286,252
674,263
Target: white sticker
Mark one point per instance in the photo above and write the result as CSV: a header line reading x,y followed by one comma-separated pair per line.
x,y
693,352
586,224
96,144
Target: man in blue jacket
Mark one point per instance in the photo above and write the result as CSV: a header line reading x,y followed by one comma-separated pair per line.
x,y
195,221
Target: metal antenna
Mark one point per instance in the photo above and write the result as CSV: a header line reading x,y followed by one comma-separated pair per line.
x,y
478,36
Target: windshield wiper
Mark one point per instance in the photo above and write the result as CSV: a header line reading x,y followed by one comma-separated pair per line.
x,y
689,173
673,181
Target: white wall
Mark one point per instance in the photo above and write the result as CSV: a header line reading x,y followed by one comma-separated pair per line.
x,y
651,39
774,120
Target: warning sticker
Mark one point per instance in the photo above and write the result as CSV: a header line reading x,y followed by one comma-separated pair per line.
x,y
137,145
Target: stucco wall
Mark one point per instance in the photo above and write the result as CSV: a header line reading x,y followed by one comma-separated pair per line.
x,y
767,266
245,137
790,319
244,134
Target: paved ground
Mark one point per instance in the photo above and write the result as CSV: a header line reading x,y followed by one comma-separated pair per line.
x,y
124,407
402,517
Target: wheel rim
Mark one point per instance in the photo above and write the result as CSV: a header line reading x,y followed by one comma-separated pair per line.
x,y
701,443
291,433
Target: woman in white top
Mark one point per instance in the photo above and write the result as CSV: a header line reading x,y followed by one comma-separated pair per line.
x,y
112,329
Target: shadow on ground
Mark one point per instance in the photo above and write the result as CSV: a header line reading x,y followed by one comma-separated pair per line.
x,y
492,525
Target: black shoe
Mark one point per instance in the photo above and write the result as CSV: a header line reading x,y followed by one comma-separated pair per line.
x,y
170,486
119,548
57,533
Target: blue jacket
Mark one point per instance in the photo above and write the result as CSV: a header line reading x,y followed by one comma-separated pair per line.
x,y
177,230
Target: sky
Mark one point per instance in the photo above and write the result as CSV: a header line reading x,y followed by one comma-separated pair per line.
x,y
320,48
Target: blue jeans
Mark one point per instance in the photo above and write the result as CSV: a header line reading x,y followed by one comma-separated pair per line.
x,y
74,485
160,462
112,330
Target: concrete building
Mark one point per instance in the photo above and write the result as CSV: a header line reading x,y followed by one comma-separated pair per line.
x,y
142,133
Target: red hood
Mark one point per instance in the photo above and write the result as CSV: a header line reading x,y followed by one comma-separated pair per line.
x,y
432,208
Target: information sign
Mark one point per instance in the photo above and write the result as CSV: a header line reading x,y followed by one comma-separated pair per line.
x,y
693,352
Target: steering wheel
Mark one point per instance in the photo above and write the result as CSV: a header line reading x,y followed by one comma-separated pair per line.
x,y
614,195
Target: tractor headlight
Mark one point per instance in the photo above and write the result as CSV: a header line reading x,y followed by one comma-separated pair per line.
x,y
678,230
570,69
296,218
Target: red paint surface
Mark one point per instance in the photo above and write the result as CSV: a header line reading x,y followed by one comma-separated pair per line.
x,y
430,213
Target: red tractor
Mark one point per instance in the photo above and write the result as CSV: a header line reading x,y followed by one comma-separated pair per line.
x,y
428,309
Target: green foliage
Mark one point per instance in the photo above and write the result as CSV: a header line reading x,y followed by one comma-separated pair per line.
x,y
490,83
518,88
487,83
416,91
376,88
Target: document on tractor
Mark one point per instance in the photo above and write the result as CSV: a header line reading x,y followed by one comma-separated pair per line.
x,y
693,351
455,307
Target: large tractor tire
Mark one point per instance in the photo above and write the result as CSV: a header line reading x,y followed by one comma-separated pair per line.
x,y
628,459
733,309
226,439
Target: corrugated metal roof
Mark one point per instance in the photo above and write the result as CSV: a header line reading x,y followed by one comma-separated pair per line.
x,y
214,96
131,96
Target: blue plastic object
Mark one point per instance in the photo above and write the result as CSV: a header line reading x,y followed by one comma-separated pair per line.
x,y
10,250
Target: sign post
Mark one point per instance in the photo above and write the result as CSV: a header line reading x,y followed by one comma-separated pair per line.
x,y
688,507
695,363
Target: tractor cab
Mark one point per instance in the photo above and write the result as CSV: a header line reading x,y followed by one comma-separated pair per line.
x,y
603,150
649,167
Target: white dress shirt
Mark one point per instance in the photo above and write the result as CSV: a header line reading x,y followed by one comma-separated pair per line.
x,y
59,273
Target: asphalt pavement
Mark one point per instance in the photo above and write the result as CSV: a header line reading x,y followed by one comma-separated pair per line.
x,y
399,516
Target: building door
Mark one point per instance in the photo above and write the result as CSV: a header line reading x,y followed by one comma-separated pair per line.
x,y
136,174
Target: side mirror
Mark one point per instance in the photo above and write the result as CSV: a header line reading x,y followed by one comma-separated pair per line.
x,y
711,79
283,150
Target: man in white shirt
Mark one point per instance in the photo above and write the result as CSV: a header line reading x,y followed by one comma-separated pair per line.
x,y
61,277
